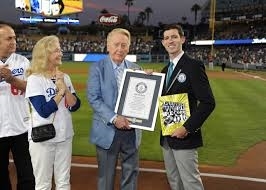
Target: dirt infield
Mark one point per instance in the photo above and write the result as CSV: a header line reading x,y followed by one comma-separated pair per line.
x,y
249,166
248,174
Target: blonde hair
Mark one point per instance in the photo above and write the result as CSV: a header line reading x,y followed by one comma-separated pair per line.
x,y
40,54
120,31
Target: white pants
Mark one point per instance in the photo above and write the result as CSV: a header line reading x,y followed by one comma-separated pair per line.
x,y
48,159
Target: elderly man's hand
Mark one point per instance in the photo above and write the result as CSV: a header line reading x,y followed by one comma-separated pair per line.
x,y
122,123
148,71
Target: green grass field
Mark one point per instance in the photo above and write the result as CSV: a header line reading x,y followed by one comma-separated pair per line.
x,y
237,123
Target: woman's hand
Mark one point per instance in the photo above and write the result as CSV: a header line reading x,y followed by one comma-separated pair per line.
x,y
60,84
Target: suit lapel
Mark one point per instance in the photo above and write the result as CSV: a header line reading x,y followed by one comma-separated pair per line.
x,y
109,67
178,67
176,72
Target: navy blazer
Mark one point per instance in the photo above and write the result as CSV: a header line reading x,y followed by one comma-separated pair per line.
x,y
102,93
192,80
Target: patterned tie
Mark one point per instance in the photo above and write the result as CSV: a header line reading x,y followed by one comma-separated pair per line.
x,y
169,72
119,73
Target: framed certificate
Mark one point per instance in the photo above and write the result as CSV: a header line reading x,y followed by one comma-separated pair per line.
x,y
138,98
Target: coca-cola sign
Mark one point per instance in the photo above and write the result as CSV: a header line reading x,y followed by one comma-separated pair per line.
x,y
109,19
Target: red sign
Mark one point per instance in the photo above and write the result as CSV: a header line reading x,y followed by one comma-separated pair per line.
x,y
109,19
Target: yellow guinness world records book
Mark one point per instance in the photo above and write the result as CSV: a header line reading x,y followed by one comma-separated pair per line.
x,y
174,111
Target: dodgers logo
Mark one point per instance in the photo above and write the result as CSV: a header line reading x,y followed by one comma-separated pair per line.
x,y
51,92
182,78
17,71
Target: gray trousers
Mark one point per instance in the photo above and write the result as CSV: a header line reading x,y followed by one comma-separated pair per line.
x,y
123,148
182,168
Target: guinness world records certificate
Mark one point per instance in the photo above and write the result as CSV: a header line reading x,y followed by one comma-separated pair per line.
x,y
138,98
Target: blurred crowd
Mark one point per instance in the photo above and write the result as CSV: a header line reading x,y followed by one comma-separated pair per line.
x,y
83,44
240,54
232,32
252,54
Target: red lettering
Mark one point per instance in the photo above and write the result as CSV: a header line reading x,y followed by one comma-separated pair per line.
x,y
16,91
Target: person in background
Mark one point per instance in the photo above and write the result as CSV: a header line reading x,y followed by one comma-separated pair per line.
x,y
14,113
110,132
52,99
224,60
188,76
210,60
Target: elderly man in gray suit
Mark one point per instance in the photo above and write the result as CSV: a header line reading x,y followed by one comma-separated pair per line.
x,y
111,133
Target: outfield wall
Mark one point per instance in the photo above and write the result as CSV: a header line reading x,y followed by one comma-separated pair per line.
x,y
146,58
95,57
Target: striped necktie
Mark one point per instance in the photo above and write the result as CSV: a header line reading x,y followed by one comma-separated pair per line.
x,y
169,72
118,74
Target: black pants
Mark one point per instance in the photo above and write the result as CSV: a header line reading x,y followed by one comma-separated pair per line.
x,y
223,66
19,147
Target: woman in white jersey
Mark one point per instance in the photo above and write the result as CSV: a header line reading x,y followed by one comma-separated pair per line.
x,y
52,99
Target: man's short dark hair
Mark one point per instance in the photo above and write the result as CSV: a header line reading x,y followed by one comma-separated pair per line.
x,y
174,26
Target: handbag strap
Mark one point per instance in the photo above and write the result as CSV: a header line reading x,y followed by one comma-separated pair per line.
x,y
32,117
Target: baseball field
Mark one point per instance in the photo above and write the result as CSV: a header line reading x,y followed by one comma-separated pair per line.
x,y
233,156
237,123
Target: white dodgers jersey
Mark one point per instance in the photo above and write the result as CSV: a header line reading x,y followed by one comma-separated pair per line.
x,y
62,119
14,109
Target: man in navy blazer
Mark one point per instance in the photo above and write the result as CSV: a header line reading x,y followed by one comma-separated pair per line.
x,y
110,132
180,148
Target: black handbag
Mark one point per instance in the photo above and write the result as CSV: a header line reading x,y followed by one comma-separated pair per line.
x,y
43,132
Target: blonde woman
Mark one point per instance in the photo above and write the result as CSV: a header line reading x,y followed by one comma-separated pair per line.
x,y
52,99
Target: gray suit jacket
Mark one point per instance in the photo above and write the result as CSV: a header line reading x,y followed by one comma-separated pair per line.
x,y
102,94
